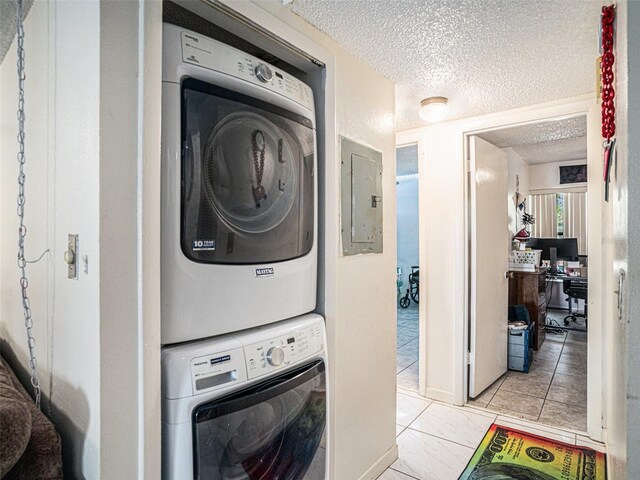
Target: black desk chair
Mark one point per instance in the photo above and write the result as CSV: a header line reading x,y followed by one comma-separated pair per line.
x,y
575,288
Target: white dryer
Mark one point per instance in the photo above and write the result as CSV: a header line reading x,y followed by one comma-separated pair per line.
x,y
239,190
250,406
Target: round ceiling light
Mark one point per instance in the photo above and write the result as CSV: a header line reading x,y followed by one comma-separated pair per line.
x,y
434,109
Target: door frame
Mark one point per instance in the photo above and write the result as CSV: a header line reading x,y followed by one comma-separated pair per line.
x,y
407,140
448,144
595,363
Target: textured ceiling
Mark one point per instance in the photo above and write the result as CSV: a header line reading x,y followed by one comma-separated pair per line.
x,y
484,55
544,142
554,151
537,132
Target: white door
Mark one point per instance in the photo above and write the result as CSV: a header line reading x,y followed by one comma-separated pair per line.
x,y
490,240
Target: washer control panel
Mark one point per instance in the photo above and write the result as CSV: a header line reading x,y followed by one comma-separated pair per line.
x,y
217,370
217,56
278,352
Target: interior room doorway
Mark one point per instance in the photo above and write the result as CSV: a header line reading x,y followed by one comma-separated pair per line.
x,y
408,276
528,323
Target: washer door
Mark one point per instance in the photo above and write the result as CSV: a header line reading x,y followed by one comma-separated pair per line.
x,y
247,178
270,431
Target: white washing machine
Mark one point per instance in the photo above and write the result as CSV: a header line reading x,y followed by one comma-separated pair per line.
x,y
239,190
249,406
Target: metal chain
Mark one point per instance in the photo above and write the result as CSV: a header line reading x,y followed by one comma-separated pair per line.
x,y
22,229
608,92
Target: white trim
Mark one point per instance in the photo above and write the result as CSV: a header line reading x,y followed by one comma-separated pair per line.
x,y
539,191
382,464
404,139
408,176
439,395
149,133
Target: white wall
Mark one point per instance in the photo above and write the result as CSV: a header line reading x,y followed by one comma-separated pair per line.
x,y
632,13
62,106
130,99
91,123
407,207
517,168
633,305
545,177
622,220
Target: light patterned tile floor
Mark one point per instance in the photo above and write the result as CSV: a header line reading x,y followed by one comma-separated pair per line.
x,y
407,368
554,392
440,439
436,441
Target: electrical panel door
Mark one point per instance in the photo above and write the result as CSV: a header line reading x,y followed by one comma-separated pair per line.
x,y
361,193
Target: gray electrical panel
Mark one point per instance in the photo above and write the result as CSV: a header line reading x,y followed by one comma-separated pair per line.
x,y
361,198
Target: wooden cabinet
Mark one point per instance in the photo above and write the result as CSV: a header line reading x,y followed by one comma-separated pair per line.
x,y
529,289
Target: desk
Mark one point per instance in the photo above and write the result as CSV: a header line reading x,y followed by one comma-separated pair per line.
x,y
529,289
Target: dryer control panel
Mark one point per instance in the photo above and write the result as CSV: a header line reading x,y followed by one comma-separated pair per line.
x,y
217,56
278,352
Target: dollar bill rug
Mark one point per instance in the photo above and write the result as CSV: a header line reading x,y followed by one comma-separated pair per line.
x,y
506,454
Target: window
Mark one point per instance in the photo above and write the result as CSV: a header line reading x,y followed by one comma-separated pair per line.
x,y
560,213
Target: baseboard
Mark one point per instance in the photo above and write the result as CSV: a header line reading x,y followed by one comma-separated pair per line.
x,y
382,464
440,395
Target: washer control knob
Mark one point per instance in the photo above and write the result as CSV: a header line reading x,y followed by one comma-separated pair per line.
x,y
264,73
275,356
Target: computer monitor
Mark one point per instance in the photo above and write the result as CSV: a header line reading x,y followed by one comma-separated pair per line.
x,y
567,248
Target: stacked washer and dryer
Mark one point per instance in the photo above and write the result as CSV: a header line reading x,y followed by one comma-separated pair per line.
x,y
243,361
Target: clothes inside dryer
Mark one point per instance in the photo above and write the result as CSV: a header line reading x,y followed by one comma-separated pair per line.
x,y
247,178
273,430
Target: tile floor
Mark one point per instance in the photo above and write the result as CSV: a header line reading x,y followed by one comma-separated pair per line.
x,y
435,441
554,392
407,369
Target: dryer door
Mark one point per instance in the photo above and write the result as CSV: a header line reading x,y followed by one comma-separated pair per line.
x,y
273,430
247,178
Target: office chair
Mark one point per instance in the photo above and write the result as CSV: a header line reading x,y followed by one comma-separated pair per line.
x,y
575,288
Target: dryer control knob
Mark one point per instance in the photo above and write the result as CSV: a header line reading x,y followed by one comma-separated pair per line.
x,y
264,73
275,356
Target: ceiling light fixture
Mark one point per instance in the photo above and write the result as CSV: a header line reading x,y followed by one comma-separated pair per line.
x,y
434,109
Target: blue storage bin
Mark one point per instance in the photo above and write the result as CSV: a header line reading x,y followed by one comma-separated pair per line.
x,y
520,352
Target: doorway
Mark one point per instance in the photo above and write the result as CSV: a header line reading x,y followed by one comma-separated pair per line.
x,y
407,271
528,211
